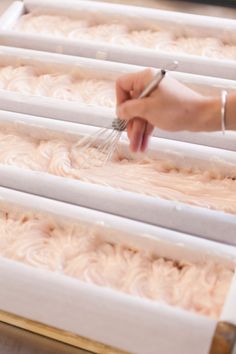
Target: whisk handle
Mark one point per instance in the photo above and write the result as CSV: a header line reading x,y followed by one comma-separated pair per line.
x,y
153,84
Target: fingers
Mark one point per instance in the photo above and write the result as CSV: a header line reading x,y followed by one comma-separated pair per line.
x,y
122,89
139,132
128,88
130,83
130,128
133,108
147,133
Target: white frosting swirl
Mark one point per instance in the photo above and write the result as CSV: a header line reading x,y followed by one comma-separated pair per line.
x,y
208,189
29,80
79,250
122,34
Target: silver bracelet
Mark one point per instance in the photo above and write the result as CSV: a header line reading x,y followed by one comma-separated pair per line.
x,y
224,95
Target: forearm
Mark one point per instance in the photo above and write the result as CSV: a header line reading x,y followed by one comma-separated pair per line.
x,y
208,114
173,106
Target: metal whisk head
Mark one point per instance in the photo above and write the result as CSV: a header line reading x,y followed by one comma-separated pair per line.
x,y
104,142
99,148
119,125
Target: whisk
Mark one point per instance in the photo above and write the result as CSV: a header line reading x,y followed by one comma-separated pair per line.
x,y
109,138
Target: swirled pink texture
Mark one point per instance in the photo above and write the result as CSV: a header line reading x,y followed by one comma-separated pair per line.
x,y
120,33
30,80
79,250
148,176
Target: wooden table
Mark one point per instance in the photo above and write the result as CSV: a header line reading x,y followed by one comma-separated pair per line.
x,y
17,341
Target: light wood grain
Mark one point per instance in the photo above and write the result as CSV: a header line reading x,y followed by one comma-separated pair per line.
x,y
14,340
224,340
57,334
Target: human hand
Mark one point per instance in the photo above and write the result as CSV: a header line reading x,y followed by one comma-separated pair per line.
x,y
172,107
129,87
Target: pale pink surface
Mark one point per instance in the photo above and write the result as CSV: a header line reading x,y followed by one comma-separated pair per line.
x,y
79,250
35,81
119,33
208,189
32,80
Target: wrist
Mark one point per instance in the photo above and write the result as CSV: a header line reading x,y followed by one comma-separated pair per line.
x,y
208,115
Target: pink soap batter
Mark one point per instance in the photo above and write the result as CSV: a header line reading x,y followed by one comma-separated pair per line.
x,y
121,34
79,250
146,176
35,81
29,80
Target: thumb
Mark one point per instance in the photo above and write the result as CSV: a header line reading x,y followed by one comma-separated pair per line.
x,y
131,109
